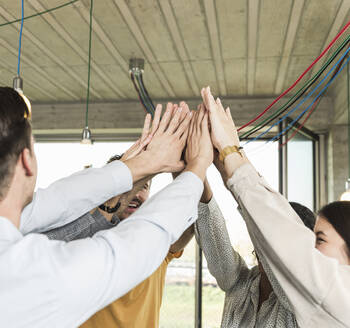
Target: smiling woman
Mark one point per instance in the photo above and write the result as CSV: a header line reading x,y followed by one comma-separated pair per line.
x,y
332,231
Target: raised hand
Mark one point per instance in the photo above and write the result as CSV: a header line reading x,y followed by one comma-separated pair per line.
x,y
223,130
199,150
223,134
169,139
140,143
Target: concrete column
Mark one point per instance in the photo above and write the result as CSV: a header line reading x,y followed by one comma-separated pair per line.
x,y
337,159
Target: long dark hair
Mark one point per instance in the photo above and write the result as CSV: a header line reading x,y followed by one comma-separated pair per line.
x,y
338,215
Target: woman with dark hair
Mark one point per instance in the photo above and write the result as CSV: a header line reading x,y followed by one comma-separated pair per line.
x,y
332,231
253,297
312,275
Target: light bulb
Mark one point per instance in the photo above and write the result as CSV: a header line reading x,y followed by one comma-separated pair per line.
x,y
18,86
86,136
345,196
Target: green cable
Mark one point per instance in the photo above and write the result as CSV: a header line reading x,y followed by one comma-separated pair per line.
x,y
39,14
89,66
306,85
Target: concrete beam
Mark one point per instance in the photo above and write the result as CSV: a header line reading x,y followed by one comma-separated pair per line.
x,y
37,68
82,53
253,20
180,47
338,22
129,114
294,20
50,54
142,41
214,36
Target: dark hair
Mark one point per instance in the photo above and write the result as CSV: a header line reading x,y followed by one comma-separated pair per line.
x,y
306,215
15,134
338,215
114,158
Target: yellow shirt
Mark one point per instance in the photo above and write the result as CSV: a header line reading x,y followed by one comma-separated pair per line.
x,y
137,309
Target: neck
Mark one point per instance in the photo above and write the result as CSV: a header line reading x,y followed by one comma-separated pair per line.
x,y
12,205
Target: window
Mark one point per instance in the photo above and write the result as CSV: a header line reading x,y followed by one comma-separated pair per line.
x,y
303,168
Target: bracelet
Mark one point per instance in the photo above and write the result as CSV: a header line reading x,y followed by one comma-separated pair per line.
x,y
108,209
229,150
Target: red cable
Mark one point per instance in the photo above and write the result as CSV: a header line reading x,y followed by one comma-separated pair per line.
x,y
299,78
313,106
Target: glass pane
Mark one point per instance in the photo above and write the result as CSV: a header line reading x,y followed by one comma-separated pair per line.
x,y
265,159
301,171
60,159
178,306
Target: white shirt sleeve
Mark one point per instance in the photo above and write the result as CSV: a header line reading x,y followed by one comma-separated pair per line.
x,y
67,199
91,273
316,286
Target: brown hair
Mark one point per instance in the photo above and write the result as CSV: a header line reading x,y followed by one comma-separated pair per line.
x,y
15,134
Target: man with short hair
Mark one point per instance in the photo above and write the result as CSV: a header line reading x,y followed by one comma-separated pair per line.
x,y
141,306
47,283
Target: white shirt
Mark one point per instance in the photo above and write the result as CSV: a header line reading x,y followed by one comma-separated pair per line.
x,y
316,286
46,283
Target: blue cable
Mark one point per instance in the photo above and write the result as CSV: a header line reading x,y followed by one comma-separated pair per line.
x,y
20,41
308,96
318,96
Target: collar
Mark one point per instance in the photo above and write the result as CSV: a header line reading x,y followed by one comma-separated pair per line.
x,y
8,232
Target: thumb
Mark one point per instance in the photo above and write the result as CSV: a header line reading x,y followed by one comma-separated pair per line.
x,y
228,114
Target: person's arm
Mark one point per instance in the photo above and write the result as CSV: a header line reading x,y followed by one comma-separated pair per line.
x,y
224,263
69,198
310,280
182,242
91,273
85,226
315,285
95,271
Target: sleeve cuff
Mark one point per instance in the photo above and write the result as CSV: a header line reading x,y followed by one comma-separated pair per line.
x,y
190,177
243,178
174,208
203,208
121,175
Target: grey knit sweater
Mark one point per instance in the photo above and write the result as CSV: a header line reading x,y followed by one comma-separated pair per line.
x,y
240,284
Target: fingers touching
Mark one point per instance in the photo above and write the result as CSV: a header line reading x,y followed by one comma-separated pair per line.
x,y
156,119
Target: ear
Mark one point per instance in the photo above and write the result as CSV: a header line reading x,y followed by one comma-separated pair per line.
x,y
28,162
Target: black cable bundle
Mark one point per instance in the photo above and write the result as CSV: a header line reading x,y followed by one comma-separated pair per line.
x,y
136,74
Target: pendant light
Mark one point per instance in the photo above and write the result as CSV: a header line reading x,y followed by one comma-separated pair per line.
x,y
17,80
86,134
